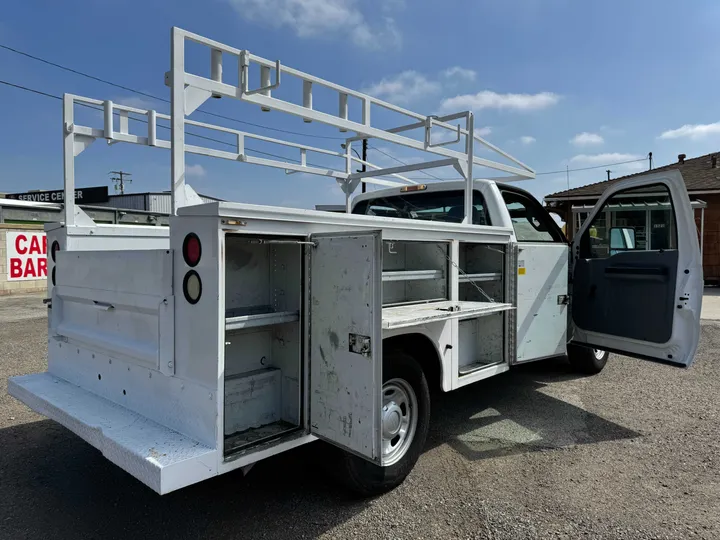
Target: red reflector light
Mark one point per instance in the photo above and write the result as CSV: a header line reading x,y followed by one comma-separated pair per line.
x,y
54,249
192,250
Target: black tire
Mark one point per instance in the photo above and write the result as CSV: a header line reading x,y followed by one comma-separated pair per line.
x,y
586,360
368,479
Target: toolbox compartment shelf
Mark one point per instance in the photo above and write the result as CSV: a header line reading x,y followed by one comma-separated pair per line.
x,y
404,316
482,276
414,271
263,296
411,275
241,322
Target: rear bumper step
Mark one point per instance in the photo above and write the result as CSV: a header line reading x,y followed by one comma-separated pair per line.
x,y
159,457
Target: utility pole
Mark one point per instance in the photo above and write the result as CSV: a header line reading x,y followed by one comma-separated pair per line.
x,y
608,171
364,167
120,179
650,158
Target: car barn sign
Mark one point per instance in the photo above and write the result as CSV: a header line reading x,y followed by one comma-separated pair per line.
x,y
26,255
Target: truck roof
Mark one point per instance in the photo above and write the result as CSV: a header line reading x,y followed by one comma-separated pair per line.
x,y
449,185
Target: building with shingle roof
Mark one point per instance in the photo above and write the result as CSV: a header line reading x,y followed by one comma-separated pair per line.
x,y
702,180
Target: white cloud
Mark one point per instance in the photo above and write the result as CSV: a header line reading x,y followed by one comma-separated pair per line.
x,y
692,131
612,130
460,73
527,139
393,5
138,102
404,87
595,160
487,99
587,139
195,170
599,159
312,18
483,131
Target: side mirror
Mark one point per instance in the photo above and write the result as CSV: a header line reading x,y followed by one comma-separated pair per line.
x,y
622,238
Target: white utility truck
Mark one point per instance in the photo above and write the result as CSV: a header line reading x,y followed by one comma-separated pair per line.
x,y
243,331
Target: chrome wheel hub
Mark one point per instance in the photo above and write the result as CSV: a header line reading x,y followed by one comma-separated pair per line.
x,y
399,420
599,353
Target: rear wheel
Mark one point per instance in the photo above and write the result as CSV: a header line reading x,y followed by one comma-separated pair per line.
x,y
405,423
586,360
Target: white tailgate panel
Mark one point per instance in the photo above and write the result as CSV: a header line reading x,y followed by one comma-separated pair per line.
x,y
117,302
542,276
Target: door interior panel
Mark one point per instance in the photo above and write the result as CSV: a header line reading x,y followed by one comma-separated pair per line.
x,y
630,294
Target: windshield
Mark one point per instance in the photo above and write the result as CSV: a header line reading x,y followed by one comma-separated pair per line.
x,y
446,206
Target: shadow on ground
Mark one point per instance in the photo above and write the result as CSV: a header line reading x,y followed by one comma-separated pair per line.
x,y
60,487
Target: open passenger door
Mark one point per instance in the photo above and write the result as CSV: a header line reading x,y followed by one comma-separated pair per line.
x,y
345,346
637,280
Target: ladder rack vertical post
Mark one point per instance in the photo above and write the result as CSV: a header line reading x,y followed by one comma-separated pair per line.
x,y
366,112
108,114
348,170
177,111
307,98
343,109
69,159
216,65
470,149
152,128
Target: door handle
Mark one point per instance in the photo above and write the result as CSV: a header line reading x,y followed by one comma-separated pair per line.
x,y
637,270
635,273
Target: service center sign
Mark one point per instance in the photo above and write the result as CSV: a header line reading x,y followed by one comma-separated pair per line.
x,y
88,195
26,255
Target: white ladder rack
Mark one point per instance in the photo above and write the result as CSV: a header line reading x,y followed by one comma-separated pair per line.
x,y
189,91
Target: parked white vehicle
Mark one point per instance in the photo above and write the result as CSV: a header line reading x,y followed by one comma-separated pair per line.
x,y
251,330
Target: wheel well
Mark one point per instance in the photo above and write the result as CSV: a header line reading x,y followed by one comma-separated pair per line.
x,y
422,349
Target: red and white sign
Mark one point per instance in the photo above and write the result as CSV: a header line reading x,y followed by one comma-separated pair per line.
x,y
26,255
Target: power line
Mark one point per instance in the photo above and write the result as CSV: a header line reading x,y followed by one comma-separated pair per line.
x,y
536,174
128,89
401,161
566,170
30,90
190,134
120,178
593,167
45,94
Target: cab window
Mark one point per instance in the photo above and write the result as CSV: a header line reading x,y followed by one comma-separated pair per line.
x,y
640,219
531,222
446,206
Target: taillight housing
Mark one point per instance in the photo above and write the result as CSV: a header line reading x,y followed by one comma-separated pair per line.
x,y
192,287
54,249
191,250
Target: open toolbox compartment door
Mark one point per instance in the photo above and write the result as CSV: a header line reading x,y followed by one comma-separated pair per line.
x,y
345,344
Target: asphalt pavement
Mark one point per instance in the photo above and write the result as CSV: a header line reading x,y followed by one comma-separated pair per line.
x,y
534,453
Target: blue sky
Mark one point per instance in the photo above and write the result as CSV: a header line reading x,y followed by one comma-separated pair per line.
x,y
553,82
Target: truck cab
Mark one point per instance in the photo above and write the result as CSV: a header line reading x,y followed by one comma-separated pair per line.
x,y
547,325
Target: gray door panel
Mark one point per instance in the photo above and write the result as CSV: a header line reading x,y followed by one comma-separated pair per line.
x,y
628,295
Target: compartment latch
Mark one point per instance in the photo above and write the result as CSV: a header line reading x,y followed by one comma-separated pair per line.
x,y
360,344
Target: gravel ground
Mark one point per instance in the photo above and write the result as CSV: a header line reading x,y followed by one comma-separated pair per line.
x,y
535,453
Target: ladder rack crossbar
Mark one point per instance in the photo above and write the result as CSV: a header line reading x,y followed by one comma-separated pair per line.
x,y
190,90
